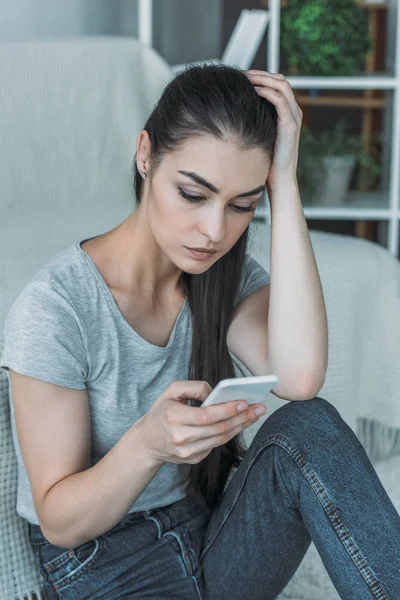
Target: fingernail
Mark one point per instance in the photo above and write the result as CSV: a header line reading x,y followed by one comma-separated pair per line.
x,y
240,407
260,410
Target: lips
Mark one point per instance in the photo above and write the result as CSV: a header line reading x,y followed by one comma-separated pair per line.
x,y
200,255
202,250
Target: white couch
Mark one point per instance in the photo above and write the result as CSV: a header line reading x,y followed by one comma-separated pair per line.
x,y
70,112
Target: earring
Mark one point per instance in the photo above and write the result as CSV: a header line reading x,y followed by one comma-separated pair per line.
x,y
144,174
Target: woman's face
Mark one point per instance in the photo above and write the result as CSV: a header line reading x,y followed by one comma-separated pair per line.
x,y
212,218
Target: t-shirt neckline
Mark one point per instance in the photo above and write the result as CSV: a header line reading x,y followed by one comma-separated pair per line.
x,y
115,309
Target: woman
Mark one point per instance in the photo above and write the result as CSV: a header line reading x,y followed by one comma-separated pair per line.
x,y
125,472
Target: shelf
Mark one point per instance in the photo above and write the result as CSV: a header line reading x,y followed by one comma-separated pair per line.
x,y
382,73
337,214
367,5
378,81
373,5
341,101
358,206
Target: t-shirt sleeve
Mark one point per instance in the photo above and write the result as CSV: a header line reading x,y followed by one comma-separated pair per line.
x,y
44,337
254,277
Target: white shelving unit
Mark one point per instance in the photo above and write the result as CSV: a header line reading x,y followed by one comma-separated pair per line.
x,y
378,205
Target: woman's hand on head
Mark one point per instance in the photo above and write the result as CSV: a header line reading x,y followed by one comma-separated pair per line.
x,y
177,433
275,88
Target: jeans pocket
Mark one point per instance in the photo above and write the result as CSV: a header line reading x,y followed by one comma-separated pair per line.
x,y
60,566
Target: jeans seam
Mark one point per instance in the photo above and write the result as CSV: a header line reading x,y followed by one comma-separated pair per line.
x,y
326,503
155,520
184,557
341,530
65,581
196,585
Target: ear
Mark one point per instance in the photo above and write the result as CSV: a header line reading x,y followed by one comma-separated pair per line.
x,y
143,151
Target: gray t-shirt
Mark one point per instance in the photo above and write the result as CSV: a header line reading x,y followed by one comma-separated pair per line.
x,y
66,328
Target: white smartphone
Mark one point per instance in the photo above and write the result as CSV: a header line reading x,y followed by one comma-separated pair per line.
x,y
251,389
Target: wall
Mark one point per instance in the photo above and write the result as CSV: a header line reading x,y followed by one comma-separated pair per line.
x,y
38,19
186,31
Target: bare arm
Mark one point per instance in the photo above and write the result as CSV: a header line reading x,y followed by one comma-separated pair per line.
x,y
74,501
85,505
297,341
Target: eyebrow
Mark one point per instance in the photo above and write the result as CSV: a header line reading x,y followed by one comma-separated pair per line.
x,y
198,179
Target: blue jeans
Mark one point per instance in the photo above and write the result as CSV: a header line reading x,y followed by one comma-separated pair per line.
x,y
305,477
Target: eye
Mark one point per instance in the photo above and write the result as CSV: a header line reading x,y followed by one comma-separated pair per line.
x,y
190,198
200,198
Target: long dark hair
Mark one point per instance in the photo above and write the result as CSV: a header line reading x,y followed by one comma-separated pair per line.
x,y
220,101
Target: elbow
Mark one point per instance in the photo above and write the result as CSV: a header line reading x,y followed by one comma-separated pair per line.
x,y
58,538
51,538
299,387
54,533
310,385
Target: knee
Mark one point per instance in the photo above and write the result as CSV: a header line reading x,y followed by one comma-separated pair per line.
x,y
323,414
302,419
313,406
317,405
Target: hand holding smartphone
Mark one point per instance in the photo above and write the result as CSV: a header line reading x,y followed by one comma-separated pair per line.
x,y
251,389
174,432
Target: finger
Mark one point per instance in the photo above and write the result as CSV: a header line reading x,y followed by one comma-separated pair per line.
x,y
205,415
198,439
258,72
281,103
183,389
180,390
229,427
279,85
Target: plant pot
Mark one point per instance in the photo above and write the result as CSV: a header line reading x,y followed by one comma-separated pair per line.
x,y
333,185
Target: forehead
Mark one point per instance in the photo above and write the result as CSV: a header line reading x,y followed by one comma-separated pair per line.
x,y
211,155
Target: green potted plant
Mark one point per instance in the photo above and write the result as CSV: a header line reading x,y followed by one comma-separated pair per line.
x,y
325,37
327,160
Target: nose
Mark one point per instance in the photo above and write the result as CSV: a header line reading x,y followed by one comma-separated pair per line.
x,y
213,224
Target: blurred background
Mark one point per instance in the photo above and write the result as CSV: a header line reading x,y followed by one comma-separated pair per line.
x,y
350,147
